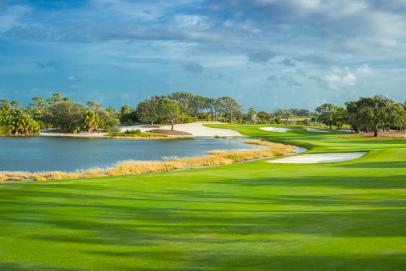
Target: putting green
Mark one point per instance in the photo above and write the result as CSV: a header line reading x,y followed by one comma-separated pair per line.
x,y
248,216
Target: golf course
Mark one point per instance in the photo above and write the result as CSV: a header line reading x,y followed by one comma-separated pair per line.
x,y
247,216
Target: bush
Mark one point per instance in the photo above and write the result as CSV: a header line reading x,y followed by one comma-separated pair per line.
x,y
133,132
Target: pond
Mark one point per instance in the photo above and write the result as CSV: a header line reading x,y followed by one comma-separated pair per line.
x,y
71,154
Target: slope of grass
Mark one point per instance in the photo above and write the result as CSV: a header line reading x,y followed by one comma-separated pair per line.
x,y
247,216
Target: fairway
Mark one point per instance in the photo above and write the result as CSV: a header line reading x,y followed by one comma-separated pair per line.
x,y
248,216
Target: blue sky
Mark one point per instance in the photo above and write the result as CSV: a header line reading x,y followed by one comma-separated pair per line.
x,y
266,53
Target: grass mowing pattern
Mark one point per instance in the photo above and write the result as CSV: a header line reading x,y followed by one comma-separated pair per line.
x,y
248,216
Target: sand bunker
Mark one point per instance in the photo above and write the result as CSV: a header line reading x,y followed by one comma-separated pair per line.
x,y
319,158
275,129
195,129
315,130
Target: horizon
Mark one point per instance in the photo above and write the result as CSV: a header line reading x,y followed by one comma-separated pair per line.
x,y
265,53
134,107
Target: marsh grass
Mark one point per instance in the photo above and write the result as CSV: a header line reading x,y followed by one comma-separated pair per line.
x,y
136,134
214,158
147,136
388,134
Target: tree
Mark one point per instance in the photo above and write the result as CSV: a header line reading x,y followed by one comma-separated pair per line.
x,y
397,116
147,110
91,121
302,112
67,115
6,118
23,124
190,103
214,105
169,111
127,115
15,121
230,107
264,117
95,106
252,115
286,114
340,117
38,109
185,100
57,97
108,120
354,117
371,113
328,114
199,105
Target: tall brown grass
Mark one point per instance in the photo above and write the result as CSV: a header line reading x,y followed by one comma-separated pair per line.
x,y
390,134
214,158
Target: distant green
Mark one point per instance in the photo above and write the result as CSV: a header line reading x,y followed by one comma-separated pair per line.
x,y
248,216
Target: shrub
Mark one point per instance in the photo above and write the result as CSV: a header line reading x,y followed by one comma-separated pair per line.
x,y
133,132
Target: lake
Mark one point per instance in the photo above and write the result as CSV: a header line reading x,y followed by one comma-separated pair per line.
x,y
71,154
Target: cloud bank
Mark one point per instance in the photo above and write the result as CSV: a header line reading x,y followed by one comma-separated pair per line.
x,y
122,50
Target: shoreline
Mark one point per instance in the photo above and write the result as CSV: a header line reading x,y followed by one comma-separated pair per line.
x,y
195,129
133,167
107,136
79,135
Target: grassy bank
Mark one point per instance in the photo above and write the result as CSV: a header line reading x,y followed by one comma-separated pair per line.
x,y
247,216
155,134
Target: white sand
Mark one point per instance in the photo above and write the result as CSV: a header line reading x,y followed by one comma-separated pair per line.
x,y
315,130
80,135
318,158
143,128
196,129
275,129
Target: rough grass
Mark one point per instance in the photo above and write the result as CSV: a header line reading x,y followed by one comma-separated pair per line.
x,y
139,167
153,135
170,132
137,135
401,134
247,216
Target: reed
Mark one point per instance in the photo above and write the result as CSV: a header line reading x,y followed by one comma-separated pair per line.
x,y
214,158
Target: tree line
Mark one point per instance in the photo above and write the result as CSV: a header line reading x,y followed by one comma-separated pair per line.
x,y
367,114
279,116
64,114
57,112
186,107
377,113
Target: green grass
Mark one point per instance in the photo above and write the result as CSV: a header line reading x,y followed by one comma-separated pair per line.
x,y
248,216
137,134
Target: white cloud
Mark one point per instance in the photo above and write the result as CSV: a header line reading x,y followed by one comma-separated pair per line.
x,y
361,26
327,8
365,70
250,26
11,17
192,22
140,11
340,78
72,78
